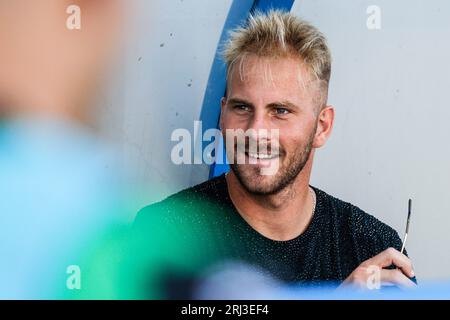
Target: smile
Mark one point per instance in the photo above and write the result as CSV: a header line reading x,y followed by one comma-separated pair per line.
x,y
261,155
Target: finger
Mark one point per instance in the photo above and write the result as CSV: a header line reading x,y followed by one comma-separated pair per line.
x,y
395,277
392,256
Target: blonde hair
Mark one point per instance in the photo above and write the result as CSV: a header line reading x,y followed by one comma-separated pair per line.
x,y
281,34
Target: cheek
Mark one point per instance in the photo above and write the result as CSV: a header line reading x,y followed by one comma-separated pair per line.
x,y
291,139
226,121
232,121
289,144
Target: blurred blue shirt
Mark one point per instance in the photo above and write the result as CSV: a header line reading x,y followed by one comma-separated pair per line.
x,y
60,189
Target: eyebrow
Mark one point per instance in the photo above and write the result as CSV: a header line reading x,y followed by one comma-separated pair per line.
x,y
286,103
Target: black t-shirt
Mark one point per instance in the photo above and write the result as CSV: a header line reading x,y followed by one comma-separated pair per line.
x,y
338,239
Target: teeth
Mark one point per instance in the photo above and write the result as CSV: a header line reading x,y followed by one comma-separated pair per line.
x,y
262,155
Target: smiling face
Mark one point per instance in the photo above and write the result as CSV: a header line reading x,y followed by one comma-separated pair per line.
x,y
270,93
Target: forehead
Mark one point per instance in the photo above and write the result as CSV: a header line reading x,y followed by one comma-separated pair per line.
x,y
282,77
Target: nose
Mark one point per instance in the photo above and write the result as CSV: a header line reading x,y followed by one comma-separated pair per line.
x,y
258,126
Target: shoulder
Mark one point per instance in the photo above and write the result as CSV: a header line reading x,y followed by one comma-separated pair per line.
x,y
368,234
192,201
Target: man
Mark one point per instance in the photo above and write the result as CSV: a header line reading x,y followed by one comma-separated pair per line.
x,y
278,70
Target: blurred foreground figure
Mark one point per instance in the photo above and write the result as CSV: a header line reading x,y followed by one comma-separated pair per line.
x,y
58,181
62,230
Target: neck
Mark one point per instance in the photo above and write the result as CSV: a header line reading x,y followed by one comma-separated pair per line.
x,y
282,216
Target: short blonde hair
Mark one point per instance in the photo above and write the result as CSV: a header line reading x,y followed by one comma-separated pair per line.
x,y
281,34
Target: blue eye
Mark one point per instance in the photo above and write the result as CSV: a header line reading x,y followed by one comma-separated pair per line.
x,y
281,111
242,107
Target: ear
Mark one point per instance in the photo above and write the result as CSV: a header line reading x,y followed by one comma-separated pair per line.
x,y
223,103
324,126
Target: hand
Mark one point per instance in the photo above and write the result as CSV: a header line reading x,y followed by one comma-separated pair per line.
x,y
372,275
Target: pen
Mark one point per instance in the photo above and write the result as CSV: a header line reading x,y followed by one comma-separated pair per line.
x,y
407,226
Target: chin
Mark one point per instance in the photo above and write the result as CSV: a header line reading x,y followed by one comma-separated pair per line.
x,y
256,183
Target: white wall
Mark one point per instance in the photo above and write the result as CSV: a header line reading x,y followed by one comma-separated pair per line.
x,y
161,87
388,87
